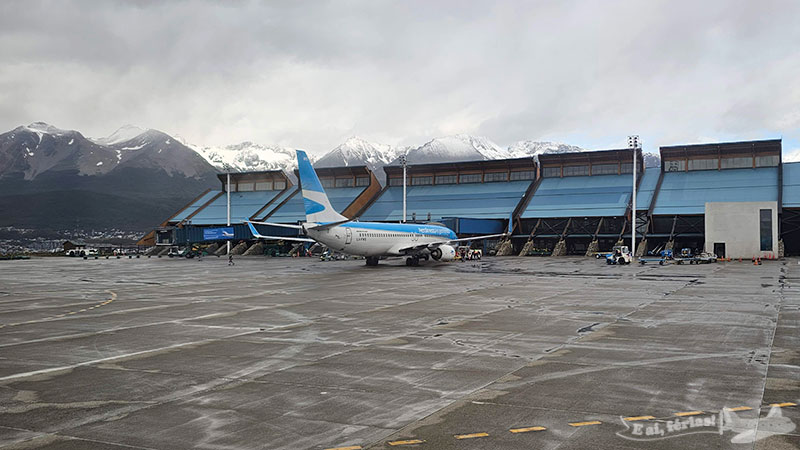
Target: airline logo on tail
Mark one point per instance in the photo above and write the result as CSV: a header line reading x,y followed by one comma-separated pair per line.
x,y
315,201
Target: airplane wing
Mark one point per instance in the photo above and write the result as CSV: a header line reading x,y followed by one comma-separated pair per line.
x,y
256,234
283,225
431,246
476,238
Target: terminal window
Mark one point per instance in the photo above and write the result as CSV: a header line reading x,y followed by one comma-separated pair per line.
x,y
245,187
765,222
396,181
446,179
522,175
605,169
263,185
420,181
551,172
626,168
767,161
470,178
704,164
327,182
362,181
744,162
279,185
576,171
676,165
344,182
495,176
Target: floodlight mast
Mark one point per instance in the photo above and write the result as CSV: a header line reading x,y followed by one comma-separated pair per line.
x,y
634,144
228,189
404,162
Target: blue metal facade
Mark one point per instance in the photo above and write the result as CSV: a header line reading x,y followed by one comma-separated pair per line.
x,y
243,206
791,185
294,211
474,200
193,207
688,192
647,186
589,196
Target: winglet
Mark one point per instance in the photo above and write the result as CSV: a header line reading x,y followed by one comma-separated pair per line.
x,y
253,230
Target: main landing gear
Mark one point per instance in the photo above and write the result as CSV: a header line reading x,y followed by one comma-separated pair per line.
x,y
372,260
412,261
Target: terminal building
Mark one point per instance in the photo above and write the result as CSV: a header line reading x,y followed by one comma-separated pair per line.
x,y
736,199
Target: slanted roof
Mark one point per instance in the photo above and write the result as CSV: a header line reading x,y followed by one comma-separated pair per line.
x,y
586,196
189,210
495,200
688,192
243,206
647,186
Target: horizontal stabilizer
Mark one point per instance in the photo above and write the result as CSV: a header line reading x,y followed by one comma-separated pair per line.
x,y
329,225
272,224
258,235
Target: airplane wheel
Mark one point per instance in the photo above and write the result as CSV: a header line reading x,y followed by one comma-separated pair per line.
x,y
372,261
409,262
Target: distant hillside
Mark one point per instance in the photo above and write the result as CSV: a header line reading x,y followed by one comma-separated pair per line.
x,y
54,179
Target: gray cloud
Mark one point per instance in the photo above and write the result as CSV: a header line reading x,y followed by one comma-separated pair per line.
x,y
311,73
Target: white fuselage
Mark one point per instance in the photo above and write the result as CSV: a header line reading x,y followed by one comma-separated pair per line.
x,y
374,239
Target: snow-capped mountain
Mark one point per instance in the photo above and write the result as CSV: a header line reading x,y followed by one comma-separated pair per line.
x,y
124,133
248,157
459,147
39,147
522,149
356,151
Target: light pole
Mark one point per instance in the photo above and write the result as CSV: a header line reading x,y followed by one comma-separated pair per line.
x,y
228,189
634,144
404,162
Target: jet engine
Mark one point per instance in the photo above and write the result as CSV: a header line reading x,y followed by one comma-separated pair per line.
x,y
443,253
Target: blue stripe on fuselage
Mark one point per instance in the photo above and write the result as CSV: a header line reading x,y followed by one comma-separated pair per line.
x,y
427,230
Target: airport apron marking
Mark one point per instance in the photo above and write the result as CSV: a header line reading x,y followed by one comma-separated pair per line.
x,y
527,429
471,435
406,442
635,418
583,424
688,413
58,316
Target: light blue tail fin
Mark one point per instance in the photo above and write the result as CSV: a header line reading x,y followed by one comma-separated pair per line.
x,y
318,207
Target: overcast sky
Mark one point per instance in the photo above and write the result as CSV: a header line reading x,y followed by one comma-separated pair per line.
x,y
310,74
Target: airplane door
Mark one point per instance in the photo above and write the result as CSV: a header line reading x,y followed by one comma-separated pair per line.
x,y
349,236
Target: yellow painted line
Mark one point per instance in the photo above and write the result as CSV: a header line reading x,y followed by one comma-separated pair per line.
x,y
583,424
527,429
83,310
354,447
71,312
740,408
635,418
689,413
781,405
406,442
471,435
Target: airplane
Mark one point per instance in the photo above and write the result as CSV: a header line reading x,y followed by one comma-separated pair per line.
x,y
372,240
227,234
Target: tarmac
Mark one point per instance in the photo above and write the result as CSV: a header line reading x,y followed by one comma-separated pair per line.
x,y
505,353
